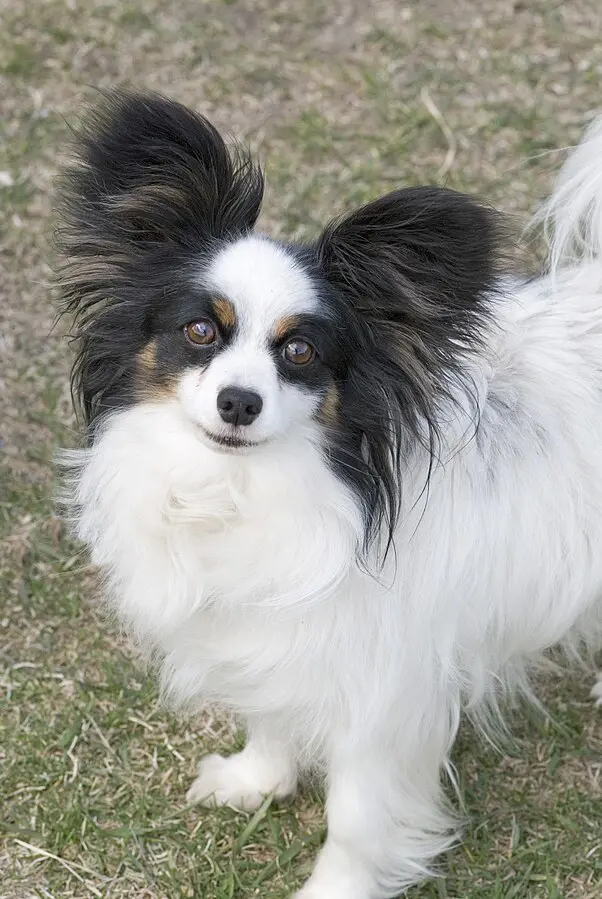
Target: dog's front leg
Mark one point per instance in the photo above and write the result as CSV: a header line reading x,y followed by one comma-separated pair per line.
x,y
386,823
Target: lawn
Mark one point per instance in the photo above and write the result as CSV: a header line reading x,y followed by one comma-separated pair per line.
x,y
343,100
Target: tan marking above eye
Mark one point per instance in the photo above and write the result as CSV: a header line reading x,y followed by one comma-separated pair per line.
x,y
284,327
299,352
224,312
201,332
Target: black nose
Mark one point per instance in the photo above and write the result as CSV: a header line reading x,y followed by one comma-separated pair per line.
x,y
238,406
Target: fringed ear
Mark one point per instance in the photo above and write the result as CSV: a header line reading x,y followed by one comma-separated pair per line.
x,y
418,269
147,170
421,259
151,187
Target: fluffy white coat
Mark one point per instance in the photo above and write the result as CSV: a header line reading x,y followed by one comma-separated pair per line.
x,y
240,570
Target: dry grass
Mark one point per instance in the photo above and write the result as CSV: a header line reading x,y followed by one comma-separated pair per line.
x,y
344,100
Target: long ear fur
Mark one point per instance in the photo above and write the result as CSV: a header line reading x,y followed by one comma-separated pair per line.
x,y
418,268
151,184
149,171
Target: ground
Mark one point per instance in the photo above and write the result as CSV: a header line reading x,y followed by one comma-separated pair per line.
x,y
342,99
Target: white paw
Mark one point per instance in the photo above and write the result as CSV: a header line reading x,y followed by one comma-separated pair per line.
x,y
309,893
597,691
315,891
239,781
338,876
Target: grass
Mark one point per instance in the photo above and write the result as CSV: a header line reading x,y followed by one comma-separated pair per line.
x,y
93,771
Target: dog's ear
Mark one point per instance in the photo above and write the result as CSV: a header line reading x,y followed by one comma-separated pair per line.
x,y
417,270
151,187
419,258
418,267
150,172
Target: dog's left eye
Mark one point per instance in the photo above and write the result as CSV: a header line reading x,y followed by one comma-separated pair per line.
x,y
201,333
299,352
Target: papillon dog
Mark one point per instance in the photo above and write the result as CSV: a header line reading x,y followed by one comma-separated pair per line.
x,y
346,489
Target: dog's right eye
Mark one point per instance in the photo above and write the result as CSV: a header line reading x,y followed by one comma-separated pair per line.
x,y
201,333
299,352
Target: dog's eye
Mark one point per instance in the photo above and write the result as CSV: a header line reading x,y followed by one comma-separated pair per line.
x,y
201,333
299,352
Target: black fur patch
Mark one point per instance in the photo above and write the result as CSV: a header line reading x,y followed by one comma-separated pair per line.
x,y
411,277
152,185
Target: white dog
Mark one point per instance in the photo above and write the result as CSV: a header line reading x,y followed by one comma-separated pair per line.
x,y
347,489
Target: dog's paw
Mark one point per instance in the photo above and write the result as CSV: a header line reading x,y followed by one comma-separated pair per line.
x,y
226,781
597,691
237,781
315,891
338,876
309,893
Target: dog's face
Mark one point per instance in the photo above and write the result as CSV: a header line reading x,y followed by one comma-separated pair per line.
x,y
351,342
247,349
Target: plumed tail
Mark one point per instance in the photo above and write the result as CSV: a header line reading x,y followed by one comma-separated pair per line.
x,y
572,217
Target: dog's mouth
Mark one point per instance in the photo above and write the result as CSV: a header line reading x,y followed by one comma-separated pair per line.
x,y
230,441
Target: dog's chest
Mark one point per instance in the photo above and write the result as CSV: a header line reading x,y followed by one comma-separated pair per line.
x,y
180,532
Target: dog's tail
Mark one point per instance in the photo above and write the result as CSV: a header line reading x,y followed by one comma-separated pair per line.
x,y
572,217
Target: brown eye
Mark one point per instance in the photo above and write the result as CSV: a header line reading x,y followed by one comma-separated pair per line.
x,y
299,352
201,333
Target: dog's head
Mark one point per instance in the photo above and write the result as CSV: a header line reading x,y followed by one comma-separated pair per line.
x,y
350,342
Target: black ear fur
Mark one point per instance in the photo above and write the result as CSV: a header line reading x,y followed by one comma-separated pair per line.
x,y
417,269
149,170
152,186
422,258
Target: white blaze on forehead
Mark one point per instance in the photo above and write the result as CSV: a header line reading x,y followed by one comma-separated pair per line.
x,y
265,284
263,281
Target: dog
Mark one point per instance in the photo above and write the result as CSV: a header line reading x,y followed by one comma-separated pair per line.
x,y
347,489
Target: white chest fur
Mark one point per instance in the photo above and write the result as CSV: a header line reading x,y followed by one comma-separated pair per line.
x,y
187,536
